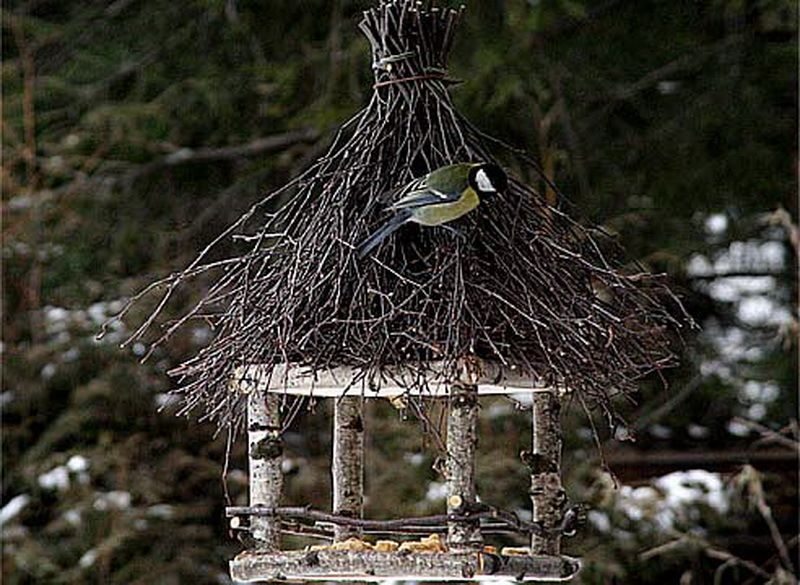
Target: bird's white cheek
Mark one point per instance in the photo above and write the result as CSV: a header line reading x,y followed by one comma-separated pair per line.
x,y
483,182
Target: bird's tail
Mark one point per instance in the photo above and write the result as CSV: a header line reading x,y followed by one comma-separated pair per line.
x,y
383,232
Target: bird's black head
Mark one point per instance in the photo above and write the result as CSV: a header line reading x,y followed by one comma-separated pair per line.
x,y
488,179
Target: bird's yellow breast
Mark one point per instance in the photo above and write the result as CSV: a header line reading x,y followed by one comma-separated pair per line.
x,y
440,213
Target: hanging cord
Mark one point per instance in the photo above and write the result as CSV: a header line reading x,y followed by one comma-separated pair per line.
x,y
412,78
385,64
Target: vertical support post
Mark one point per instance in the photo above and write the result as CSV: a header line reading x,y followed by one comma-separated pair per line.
x,y
547,494
265,450
462,443
348,463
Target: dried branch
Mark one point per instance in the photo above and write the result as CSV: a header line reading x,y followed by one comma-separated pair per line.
x,y
768,435
257,147
751,480
673,402
679,66
32,175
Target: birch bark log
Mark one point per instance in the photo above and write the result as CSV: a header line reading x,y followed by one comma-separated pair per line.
x,y
462,443
348,463
265,450
547,494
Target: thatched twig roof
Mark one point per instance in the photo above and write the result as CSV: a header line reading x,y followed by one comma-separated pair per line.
x,y
525,286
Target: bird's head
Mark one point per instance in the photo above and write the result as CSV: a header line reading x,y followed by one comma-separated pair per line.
x,y
487,179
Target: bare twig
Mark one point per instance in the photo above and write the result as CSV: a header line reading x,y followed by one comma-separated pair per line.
x,y
768,435
32,176
751,480
730,559
674,400
254,148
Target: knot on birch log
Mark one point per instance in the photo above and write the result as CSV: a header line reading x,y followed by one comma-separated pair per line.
x,y
489,563
550,484
344,512
574,518
354,424
268,448
463,398
538,463
456,503
255,427
311,559
467,571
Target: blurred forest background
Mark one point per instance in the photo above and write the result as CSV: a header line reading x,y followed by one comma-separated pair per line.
x,y
134,132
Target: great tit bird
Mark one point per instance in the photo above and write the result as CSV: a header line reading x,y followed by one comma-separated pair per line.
x,y
439,197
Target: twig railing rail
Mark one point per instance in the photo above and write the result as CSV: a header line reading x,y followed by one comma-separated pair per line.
x,y
494,520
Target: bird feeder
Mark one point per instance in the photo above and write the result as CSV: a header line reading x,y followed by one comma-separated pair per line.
x,y
517,298
453,546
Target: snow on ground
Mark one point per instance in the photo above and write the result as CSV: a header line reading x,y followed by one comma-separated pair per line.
x,y
60,323
55,479
113,500
88,559
415,459
73,517
716,224
696,485
6,398
13,508
163,511
78,464
59,478
668,499
437,491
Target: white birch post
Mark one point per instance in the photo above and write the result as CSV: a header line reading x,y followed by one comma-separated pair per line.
x,y
348,463
462,443
547,494
265,450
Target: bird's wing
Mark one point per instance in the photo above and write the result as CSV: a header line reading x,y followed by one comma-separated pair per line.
x,y
422,197
443,185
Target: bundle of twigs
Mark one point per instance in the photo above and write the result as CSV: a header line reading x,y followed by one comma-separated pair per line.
x,y
524,285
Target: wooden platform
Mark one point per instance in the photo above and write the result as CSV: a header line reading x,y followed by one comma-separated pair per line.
x,y
374,566
489,377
